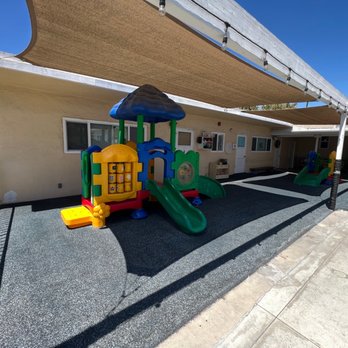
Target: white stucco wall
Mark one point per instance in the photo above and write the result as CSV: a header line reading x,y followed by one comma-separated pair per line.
x,y
32,158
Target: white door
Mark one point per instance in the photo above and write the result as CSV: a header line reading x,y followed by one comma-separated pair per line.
x,y
184,139
240,154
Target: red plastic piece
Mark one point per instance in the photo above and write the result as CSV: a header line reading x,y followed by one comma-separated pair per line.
x,y
136,203
190,193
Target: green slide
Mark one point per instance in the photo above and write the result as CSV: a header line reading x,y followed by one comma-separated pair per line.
x,y
190,219
210,187
311,179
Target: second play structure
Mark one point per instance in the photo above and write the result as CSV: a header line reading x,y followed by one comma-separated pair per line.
x,y
315,172
121,176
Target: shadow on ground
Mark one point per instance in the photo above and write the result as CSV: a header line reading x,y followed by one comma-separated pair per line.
x,y
58,203
154,300
152,244
84,302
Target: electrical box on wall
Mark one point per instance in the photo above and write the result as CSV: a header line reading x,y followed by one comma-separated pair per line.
x,y
206,141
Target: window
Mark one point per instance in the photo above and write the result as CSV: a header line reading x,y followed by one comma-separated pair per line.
x,y
218,142
184,139
131,133
324,142
80,134
103,134
77,135
260,144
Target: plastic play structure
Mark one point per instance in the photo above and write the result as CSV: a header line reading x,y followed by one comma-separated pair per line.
x,y
121,176
313,174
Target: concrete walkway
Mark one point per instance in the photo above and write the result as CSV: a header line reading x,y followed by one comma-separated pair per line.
x,y
298,299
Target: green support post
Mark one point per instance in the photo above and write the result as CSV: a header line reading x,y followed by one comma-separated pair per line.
x,y
152,131
140,129
172,134
121,132
152,161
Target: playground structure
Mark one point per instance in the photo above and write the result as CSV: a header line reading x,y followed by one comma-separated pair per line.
x,y
121,176
315,172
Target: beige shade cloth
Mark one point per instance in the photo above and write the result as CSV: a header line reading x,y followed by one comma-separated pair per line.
x,y
128,41
312,115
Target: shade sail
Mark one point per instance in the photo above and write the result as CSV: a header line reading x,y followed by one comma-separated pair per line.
x,y
312,115
128,41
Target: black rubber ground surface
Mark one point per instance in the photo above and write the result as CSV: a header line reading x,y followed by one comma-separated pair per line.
x,y
152,244
136,282
287,183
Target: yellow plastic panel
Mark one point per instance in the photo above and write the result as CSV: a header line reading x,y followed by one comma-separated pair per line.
x,y
116,157
76,216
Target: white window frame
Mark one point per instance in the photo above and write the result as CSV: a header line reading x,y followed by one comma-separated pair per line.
x,y
184,148
88,122
262,137
223,144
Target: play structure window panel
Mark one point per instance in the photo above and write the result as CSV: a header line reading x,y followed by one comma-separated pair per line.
x,y
324,142
120,177
77,136
261,144
218,142
186,173
103,135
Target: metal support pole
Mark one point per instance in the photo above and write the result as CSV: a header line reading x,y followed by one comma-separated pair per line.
x,y
338,163
151,173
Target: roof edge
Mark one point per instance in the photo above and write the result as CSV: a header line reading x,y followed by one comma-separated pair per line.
x,y
26,67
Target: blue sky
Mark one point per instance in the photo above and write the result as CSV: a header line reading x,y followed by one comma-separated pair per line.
x,y
315,29
15,27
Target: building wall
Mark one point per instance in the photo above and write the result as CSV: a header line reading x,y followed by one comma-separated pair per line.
x,y
302,148
231,129
331,147
284,162
32,159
